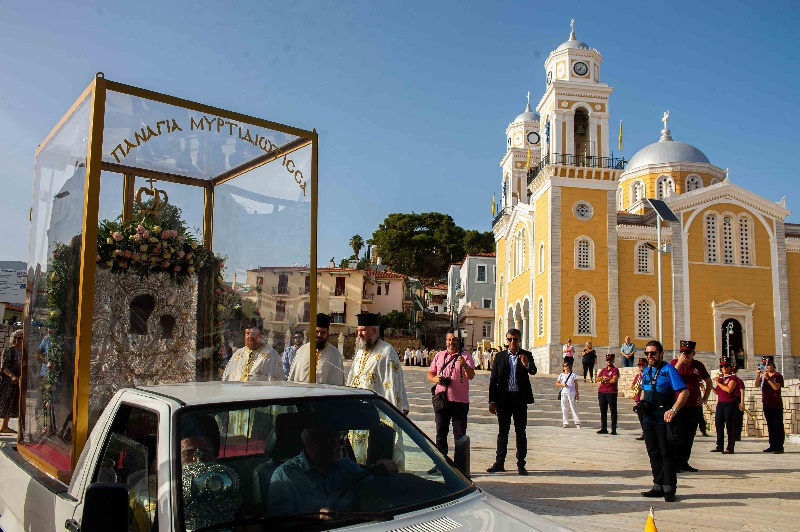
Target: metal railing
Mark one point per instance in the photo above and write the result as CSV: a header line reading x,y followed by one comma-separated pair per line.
x,y
502,212
339,292
281,290
590,161
367,297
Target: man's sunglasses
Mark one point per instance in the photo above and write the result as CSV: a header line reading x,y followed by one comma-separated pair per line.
x,y
512,339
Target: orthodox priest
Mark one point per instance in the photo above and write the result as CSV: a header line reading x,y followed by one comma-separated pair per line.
x,y
376,365
255,361
329,359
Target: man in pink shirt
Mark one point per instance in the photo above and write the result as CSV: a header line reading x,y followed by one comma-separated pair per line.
x,y
451,370
607,395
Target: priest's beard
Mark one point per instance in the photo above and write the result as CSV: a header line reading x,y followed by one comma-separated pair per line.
x,y
366,343
321,344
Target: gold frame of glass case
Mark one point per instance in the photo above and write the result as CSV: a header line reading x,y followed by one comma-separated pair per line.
x,y
92,104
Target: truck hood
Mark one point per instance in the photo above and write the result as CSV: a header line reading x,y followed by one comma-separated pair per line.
x,y
476,511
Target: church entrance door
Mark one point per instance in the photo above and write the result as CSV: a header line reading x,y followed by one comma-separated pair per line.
x,y
733,341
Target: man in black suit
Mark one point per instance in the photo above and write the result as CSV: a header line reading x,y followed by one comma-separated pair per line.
x,y
510,393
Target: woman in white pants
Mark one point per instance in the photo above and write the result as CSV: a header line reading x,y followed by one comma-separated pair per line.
x,y
568,382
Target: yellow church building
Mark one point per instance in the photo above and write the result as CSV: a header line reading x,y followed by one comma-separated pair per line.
x,y
577,243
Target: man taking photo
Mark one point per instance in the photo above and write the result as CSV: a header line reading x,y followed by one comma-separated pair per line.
x,y
451,370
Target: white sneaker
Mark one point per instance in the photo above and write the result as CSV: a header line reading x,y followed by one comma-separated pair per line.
x,y
577,426
566,425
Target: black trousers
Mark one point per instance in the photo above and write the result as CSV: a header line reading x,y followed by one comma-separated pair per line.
x,y
662,457
517,409
738,421
588,368
774,417
455,412
723,421
688,418
608,400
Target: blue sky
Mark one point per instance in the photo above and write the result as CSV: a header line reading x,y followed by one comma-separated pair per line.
x,y
411,99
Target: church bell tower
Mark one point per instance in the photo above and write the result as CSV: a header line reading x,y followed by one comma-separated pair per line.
x,y
574,108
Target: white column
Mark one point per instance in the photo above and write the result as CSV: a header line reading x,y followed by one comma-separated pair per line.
x,y
524,330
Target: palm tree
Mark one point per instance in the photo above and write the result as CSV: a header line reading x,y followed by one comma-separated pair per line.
x,y
356,242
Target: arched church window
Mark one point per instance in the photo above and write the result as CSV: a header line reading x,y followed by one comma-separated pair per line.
x,y
711,238
584,318
727,241
644,263
541,257
500,288
140,308
541,316
519,252
637,191
583,253
693,182
167,324
665,187
744,240
644,318
714,182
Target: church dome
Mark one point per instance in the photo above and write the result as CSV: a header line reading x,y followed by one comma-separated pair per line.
x,y
528,116
667,150
573,43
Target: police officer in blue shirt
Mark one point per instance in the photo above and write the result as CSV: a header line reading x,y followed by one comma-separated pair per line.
x,y
661,382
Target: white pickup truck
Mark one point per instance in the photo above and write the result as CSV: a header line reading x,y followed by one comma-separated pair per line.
x,y
252,456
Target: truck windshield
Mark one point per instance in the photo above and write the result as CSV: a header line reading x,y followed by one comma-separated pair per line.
x,y
265,462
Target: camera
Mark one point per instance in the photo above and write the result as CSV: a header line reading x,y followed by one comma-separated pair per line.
x,y
643,407
445,380
761,367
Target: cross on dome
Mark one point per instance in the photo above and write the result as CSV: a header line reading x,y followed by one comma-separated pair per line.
x,y
572,29
665,133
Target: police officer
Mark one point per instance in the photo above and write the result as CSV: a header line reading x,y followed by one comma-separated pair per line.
x,y
664,394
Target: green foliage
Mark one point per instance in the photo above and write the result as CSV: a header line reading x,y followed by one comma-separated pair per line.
x,y
356,242
476,242
394,320
424,245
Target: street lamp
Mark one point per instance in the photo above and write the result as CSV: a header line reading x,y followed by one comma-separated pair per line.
x,y
663,214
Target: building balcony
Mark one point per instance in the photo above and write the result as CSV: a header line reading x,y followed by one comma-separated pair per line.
x,y
304,291
568,159
499,216
281,290
367,298
338,292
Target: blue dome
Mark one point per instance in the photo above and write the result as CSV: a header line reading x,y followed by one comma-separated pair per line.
x,y
667,150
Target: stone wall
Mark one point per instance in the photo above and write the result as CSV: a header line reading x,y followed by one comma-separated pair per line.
x,y
755,425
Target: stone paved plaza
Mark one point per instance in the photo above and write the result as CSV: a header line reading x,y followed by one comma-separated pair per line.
x,y
588,481
591,482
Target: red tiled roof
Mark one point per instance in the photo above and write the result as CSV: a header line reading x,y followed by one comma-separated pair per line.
x,y
437,287
482,255
13,308
386,275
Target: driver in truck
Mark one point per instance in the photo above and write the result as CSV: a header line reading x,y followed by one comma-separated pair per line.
x,y
313,480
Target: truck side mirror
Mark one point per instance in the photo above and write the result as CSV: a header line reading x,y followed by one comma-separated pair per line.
x,y
105,508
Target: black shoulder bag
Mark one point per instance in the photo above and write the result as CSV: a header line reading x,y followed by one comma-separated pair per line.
x,y
439,400
562,388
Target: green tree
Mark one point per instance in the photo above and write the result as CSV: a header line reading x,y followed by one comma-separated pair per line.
x,y
356,242
422,245
477,242
394,320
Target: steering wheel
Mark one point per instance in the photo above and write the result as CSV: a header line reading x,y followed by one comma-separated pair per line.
x,y
354,481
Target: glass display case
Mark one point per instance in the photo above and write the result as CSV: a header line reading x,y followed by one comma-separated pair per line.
x,y
153,220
